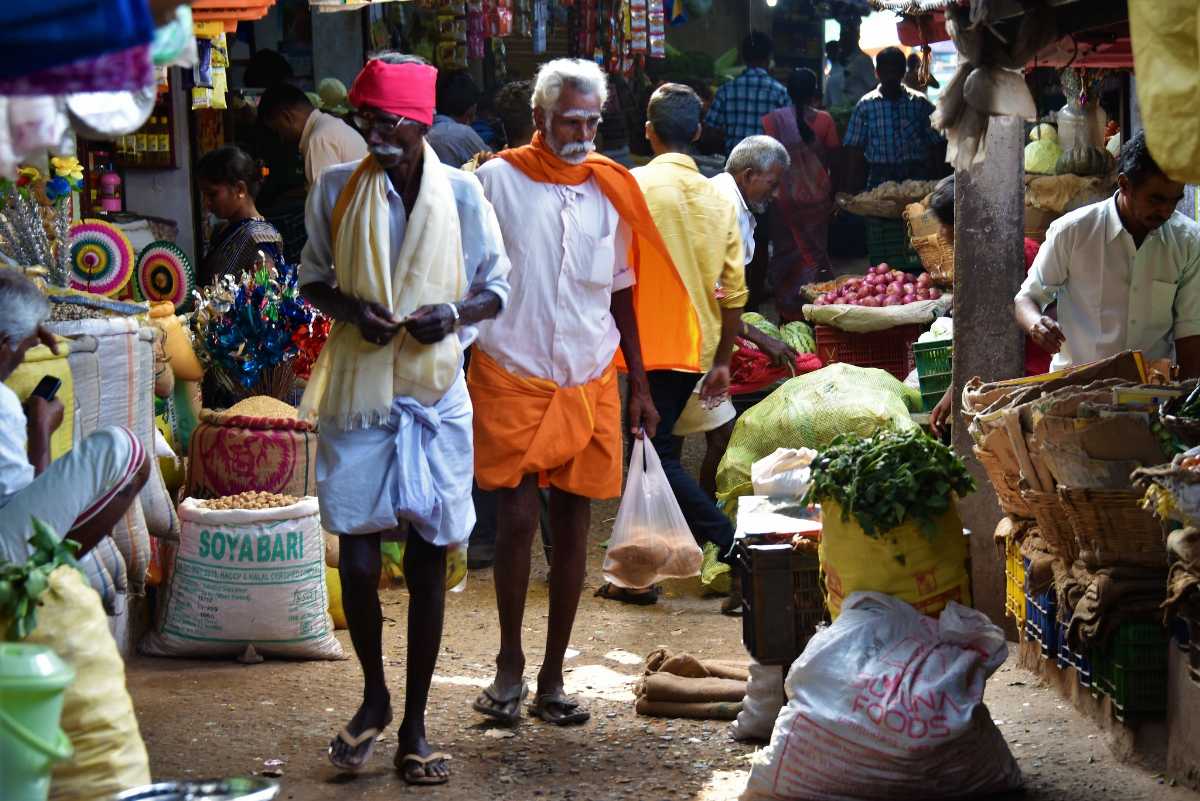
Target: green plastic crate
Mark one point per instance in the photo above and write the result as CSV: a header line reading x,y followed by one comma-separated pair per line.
x,y
934,369
887,241
1141,646
1132,669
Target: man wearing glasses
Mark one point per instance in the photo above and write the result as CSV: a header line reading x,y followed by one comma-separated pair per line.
x,y
542,376
405,255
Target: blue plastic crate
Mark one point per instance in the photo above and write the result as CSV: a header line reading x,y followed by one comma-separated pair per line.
x,y
1069,657
1041,623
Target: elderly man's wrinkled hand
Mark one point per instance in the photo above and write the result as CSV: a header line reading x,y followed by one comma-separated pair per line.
x,y
48,339
376,323
431,324
44,415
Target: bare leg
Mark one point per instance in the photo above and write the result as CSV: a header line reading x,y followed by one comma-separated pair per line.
x,y
519,510
359,565
716,443
425,575
570,516
101,525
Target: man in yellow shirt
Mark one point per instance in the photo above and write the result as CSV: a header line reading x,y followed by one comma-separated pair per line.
x,y
701,230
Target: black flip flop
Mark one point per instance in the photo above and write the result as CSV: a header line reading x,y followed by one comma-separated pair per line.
x,y
423,777
626,596
504,710
570,713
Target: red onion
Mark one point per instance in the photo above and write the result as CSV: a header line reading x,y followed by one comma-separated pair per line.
x,y
872,302
910,288
910,298
924,279
923,293
935,293
892,300
895,289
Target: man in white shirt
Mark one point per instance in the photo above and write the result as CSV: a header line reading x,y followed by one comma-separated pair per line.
x,y
542,376
82,494
323,139
1125,273
854,70
405,256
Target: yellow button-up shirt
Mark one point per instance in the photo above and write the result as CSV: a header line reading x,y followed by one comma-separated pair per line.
x,y
701,230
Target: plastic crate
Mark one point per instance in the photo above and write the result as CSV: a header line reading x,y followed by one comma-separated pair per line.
x,y
888,242
1069,657
889,350
778,583
1041,622
934,371
1132,670
1014,579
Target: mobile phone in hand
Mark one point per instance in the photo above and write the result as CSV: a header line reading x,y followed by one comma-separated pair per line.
x,y
47,388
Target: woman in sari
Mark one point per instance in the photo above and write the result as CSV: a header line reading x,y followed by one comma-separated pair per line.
x,y
800,217
229,180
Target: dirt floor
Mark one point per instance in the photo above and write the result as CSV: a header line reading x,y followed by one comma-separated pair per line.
x,y
202,719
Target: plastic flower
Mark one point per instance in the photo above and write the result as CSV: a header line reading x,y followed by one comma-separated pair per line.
x,y
27,175
58,188
68,167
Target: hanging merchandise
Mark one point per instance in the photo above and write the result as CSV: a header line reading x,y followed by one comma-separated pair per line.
x,y
164,272
38,36
174,43
541,20
476,29
220,66
656,30
101,257
500,22
523,18
452,34
127,70
638,27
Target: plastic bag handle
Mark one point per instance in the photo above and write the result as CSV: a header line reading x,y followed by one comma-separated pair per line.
x,y
57,751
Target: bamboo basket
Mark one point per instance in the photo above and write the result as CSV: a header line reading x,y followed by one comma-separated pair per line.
x,y
1008,491
1053,524
937,256
1113,526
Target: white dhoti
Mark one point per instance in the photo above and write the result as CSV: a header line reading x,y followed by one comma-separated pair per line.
x,y
416,468
72,490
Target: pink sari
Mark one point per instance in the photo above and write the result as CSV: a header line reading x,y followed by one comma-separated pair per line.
x,y
800,217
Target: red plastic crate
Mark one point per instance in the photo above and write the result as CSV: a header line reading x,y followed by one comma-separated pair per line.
x,y
889,350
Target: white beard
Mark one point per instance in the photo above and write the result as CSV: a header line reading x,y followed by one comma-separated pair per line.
x,y
573,152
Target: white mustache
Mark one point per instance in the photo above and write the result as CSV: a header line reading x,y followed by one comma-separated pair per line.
x,y
576,152
387,152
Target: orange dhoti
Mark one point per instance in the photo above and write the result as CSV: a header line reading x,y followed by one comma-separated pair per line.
x,y
569,436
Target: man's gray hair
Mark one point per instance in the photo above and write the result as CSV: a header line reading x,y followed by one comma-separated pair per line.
x,y
585,76
758,153
396,57
23,307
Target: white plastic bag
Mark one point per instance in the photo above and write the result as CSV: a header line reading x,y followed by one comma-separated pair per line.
x,y
246,577
651,540
764,699
888,703
785,473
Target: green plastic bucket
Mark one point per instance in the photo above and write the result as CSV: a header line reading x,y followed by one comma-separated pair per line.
x,y
32,680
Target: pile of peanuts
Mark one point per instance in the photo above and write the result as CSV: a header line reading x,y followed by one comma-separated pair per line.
x,y
250,500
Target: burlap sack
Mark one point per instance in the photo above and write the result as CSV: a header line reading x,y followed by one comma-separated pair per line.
x,y
229,454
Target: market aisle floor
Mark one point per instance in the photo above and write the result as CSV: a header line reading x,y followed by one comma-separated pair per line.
x,y
219,718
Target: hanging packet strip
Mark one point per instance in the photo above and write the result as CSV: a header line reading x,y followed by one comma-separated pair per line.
x,y
541,18
657,31
638,39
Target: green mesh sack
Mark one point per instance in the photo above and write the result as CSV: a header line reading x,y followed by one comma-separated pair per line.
x,y
808,412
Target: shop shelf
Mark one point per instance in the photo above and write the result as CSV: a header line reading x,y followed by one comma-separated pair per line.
x,y
887,241
778,584
889,350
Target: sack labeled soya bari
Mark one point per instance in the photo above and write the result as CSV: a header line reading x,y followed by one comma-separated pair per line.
x,y
246,577
651,540
888,703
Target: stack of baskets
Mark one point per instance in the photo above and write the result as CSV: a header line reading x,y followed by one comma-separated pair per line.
x,y
935,253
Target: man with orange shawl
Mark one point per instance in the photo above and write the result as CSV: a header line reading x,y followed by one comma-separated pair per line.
x,y
405,255
543,377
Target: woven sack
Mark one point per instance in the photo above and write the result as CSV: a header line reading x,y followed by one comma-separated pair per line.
x,y
229,454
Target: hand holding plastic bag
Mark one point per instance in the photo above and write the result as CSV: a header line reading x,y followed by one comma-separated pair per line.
x,y
651,540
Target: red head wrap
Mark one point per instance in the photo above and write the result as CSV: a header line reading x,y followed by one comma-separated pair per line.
x,y
406,90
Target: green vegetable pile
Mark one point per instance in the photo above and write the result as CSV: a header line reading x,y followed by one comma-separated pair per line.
x,y
887,479
22,585
797,334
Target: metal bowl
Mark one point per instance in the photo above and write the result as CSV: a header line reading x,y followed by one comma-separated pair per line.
x,y
245,789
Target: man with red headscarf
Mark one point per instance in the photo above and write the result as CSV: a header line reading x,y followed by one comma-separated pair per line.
x,y
543,376
405,255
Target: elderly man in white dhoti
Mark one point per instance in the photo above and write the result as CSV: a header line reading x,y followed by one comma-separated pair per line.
x,y
406,256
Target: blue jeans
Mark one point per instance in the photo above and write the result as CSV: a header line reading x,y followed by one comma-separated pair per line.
x,y
670,391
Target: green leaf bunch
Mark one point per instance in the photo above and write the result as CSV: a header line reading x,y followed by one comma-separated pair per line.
x,y
22,584
887,479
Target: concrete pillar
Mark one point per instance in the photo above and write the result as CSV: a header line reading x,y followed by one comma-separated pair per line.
x,y
989,265
338,45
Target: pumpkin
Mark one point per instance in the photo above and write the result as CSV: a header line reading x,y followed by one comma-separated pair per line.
x,y
1084,160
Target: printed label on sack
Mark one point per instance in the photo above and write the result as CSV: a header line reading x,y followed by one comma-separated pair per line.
x,y
231,582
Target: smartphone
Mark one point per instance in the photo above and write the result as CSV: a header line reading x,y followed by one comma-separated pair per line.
x,y
47,388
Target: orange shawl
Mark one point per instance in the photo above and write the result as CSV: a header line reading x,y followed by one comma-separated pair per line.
x,y
660,297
